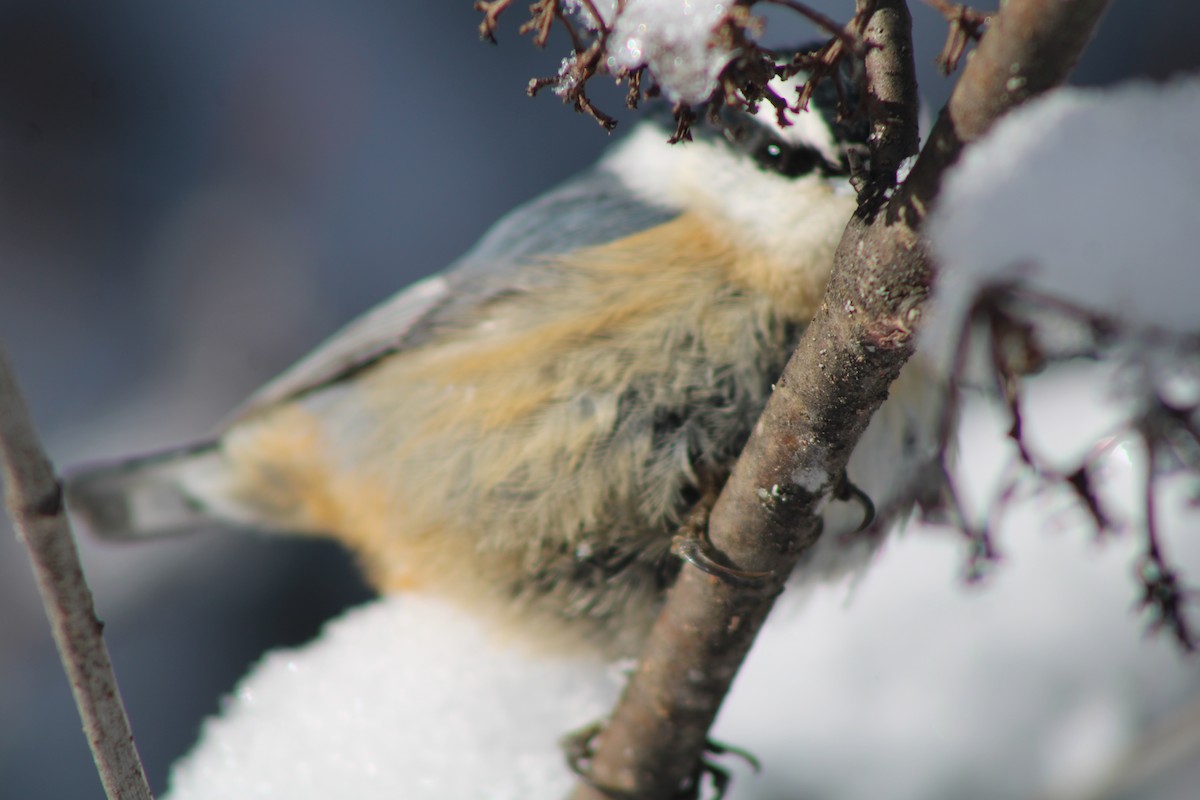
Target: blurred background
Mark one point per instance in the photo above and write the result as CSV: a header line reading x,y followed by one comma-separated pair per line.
x,y
194,194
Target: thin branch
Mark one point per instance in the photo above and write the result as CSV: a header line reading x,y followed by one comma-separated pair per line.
x,y
1007,314
492,9
839,375
1163,593
965,25
35,503
826,23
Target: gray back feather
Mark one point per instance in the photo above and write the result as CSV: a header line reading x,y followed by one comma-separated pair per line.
x,y
590,210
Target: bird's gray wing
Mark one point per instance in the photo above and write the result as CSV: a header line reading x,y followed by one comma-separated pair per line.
x,y
591,209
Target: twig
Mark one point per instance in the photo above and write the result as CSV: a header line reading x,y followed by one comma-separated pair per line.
x,y
850,353
966,25
821,64
1163,593
492,9
542,15
1016,347
35,503
1029,47
826,23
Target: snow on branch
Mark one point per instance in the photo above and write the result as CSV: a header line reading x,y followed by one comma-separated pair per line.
x,y
701,55
1102,279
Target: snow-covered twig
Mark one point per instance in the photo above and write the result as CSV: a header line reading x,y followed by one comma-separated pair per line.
x,y
1014,322
35,503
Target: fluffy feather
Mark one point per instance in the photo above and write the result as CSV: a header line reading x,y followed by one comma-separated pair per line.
x,y
526,432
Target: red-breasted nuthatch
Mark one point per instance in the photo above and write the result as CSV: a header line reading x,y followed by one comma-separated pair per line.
x,y
526,431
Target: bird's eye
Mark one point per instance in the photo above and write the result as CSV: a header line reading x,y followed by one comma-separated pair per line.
x,y
771,153
791,162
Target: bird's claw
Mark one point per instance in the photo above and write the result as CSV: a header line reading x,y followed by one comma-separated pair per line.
x,y
720,776
845,489
577,747
697,551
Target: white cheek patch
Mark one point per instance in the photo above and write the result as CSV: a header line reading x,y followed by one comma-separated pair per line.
x,y
809,128
772,214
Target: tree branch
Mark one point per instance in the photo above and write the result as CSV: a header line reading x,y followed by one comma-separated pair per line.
x,y
35,503
891,101
1030,46
766,517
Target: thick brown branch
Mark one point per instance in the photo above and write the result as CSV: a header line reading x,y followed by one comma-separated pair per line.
x,y
34,500
855,346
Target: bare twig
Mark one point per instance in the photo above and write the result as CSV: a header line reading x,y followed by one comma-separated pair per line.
x,y
821,65
826,23
966,25
542,16
492,9
839,375
1163,593
1017,345
35,503
585,62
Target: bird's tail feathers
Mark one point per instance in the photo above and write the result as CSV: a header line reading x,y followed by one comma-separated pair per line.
x,y
143,497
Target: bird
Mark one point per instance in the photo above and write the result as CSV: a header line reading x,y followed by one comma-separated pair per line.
x,y
525,432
